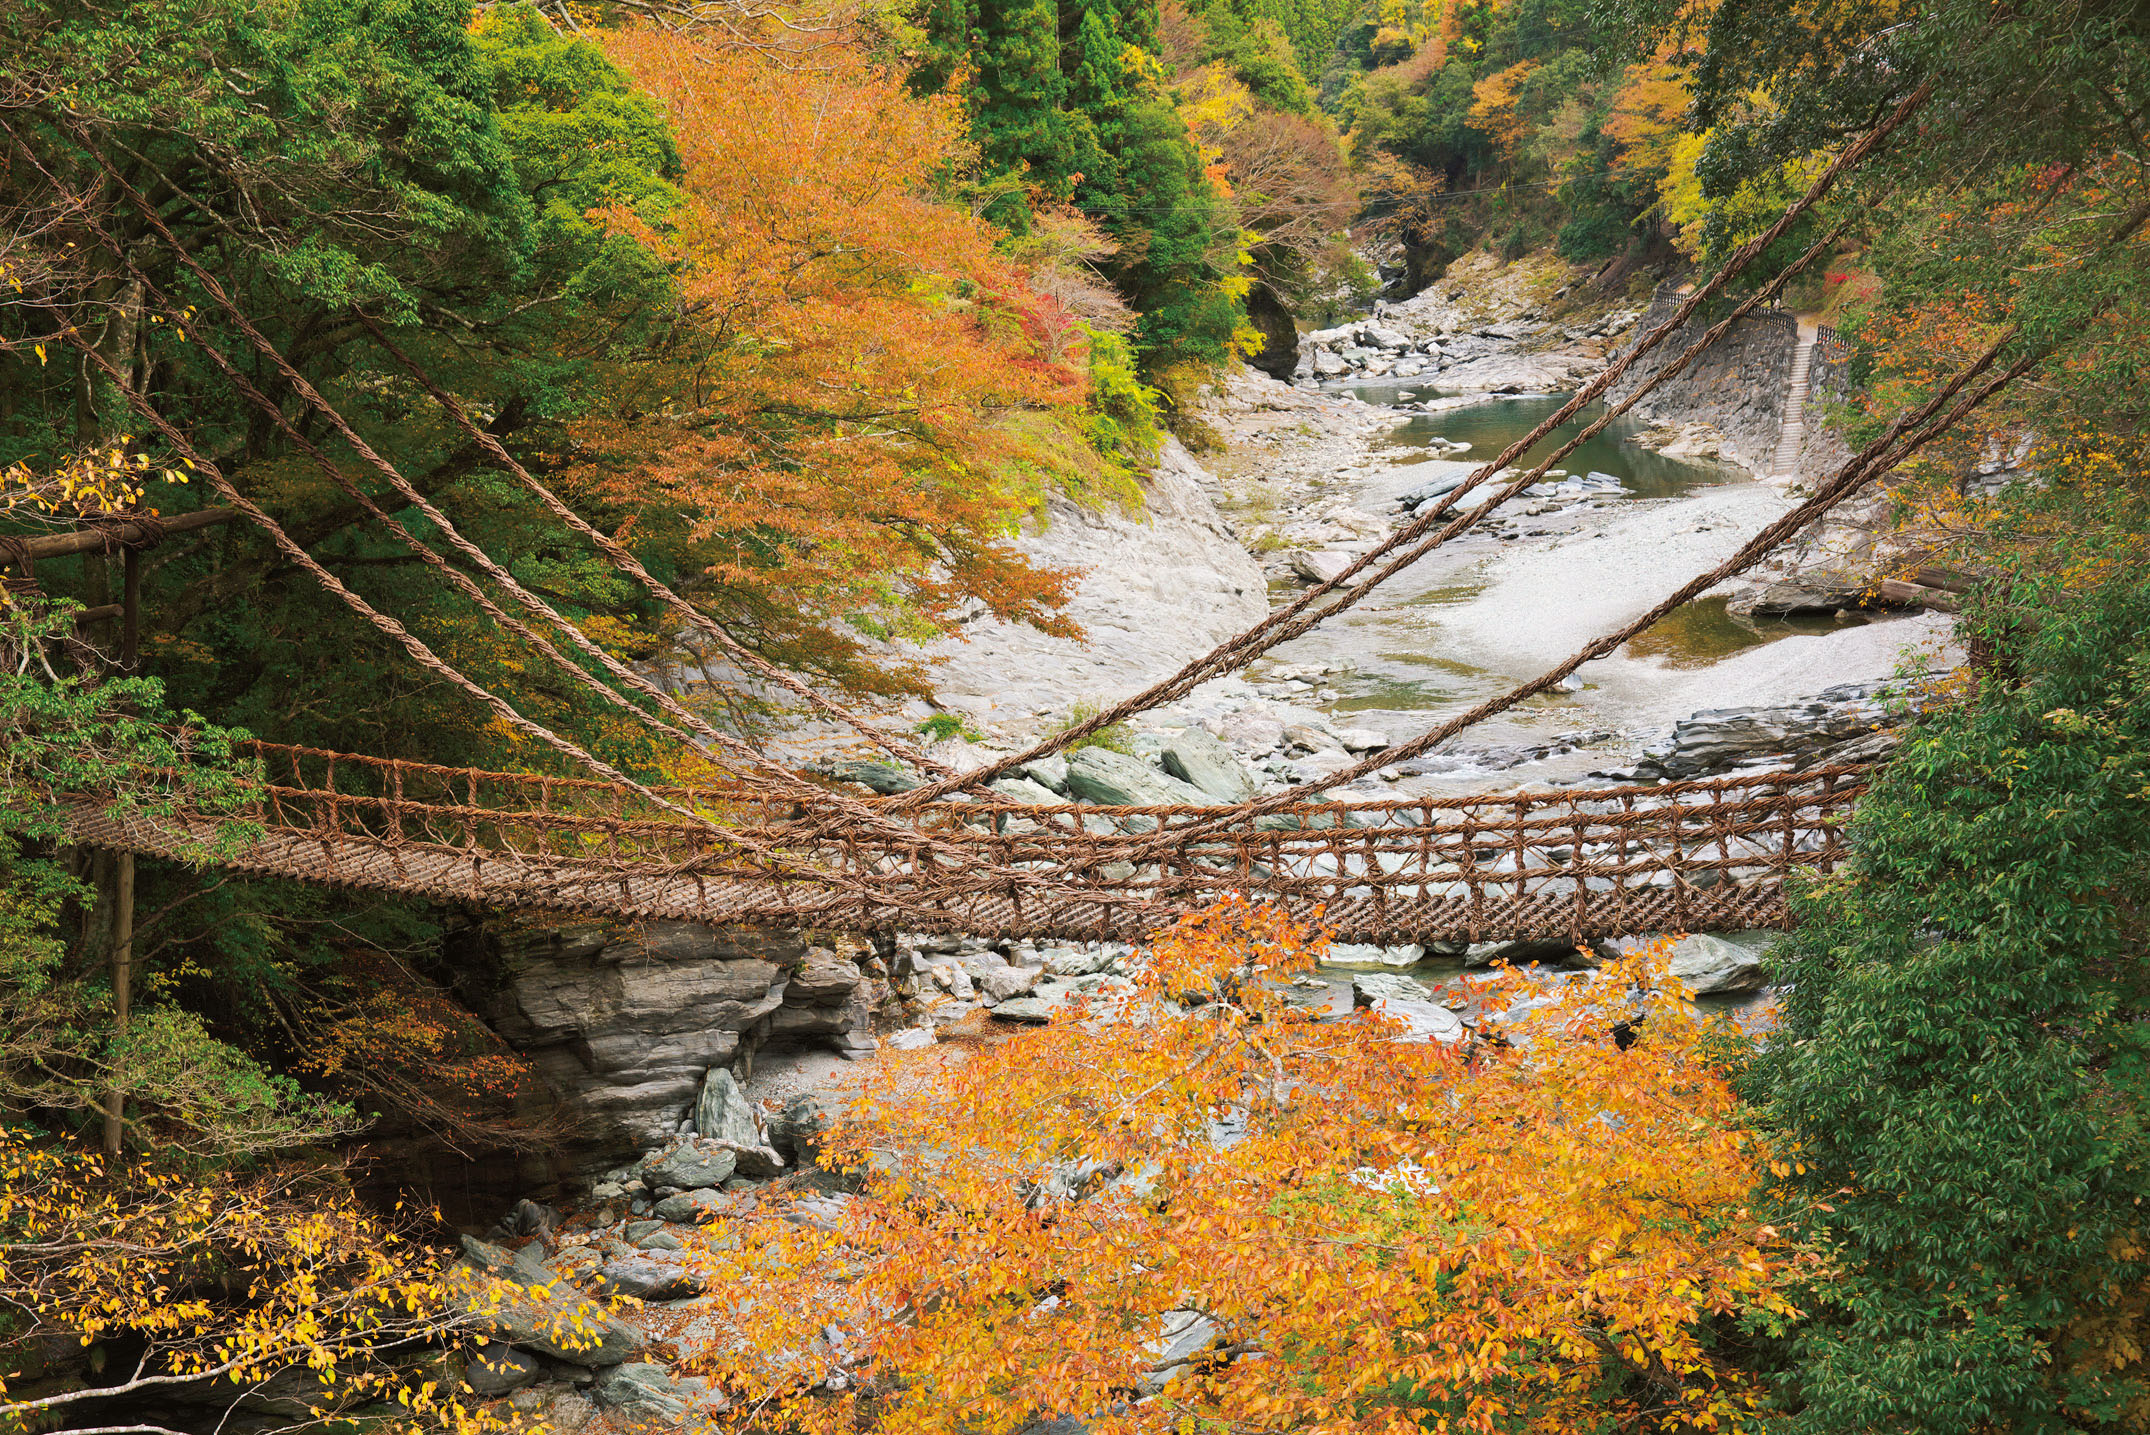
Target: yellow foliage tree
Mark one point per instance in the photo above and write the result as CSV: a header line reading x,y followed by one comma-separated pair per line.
x,y
1649,116
839,418
244,1293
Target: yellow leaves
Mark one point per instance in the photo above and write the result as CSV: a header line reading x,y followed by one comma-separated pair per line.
x,y
326,1288
93,483
837,422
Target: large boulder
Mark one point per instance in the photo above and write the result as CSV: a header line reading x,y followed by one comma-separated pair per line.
x,y
1372,987
692,1165
1705,962
806,1118
1098,774
557,1409
1720,964
883,777
1023,789
1421,1020
1363,954
823,979
691,1206
1528,949
1319,565
525,1266
560,1324
1026,1011
1721,738
1002,983
723,1112
498,1369
1200,760
648,1277
647,1395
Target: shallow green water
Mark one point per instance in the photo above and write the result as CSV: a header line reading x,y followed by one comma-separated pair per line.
x,y
1489,427
1697,634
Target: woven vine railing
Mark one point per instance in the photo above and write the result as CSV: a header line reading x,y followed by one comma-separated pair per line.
x,y
1570,863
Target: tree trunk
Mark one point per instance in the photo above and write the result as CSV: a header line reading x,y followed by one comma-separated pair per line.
x,y
122,997
130,636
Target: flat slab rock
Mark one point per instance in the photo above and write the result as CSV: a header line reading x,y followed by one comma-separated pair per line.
x,y
1706,963
567,1328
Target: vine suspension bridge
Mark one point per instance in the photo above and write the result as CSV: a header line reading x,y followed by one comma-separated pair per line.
x,y
1695,856
765,845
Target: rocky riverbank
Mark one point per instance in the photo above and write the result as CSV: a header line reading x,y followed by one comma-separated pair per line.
x,y
1484,326
629,1024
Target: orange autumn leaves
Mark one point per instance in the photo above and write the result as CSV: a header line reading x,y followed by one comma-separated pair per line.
x,y
836,417
1221,1215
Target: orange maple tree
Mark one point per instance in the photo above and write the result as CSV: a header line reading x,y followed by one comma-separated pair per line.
x,y
1497,110
1204,1210
856,404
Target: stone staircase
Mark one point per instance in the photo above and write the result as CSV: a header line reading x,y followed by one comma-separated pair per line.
x,y
1794,429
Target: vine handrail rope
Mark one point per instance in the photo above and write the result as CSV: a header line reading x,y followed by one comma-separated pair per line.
x,y
1556,864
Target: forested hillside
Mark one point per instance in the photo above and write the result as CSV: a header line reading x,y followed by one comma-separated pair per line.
x,y
587,392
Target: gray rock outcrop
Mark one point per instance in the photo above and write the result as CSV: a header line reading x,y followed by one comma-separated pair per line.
x,y
625,1023
1098,774
1821,729
1159,586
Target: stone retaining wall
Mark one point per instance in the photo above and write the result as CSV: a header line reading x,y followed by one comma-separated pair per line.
x,y
1823,450
1738,384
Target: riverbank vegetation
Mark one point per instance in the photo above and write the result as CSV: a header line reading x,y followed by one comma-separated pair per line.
x,y
811,309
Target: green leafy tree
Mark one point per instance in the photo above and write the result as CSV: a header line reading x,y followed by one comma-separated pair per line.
x,y
1962,1066
74,740
1066,101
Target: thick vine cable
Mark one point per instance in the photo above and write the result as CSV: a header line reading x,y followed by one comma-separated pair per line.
x,y
835,806
390,627
839,886
1235,652
620,556
799,789
626,562
1868,465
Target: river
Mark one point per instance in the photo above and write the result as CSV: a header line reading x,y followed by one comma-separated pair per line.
x,y
1492,608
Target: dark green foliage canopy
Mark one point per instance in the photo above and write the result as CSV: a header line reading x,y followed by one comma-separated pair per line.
x,y
1962,1065
1065,104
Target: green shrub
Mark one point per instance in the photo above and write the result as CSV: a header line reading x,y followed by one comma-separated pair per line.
x,y
942,726
1116,737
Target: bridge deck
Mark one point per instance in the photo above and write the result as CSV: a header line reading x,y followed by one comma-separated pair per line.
x,y
1575,863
